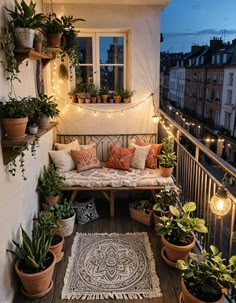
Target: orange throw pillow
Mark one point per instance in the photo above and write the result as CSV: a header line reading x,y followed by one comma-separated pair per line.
x,y
151,161
120,158
85,159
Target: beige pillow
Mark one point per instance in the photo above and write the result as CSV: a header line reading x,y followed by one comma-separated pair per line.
x,y
72,145
140,155
88,146
62,160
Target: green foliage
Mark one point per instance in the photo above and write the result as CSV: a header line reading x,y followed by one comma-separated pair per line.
x,y
206,275
127,93
47,106
104,91
167,158
15,108
33,251
63,209
53,24
117,92
91,89
25,15
47,221
50,181
177,228
170,195
142,205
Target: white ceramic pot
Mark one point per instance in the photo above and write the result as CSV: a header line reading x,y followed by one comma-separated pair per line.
x,y
67,225
24,37
33,129
44,121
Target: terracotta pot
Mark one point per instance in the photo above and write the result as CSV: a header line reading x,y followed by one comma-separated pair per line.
x,y
117,99
38,46
186,296
94,99
166,172
38,284
74,99
54,39
126,100
57,248
156,221
104,98
171,253
99,100
81,100
52,200
15,128
87,100
67,225
111,100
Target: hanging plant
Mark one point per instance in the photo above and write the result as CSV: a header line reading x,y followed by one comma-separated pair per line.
x,y
63,72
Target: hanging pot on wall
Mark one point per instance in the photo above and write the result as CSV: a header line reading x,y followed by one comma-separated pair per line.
x,y
24,37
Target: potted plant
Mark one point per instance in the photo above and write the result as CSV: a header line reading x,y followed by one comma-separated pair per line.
x,y
167,158
53,30
35,262
93,92
47,110
73,96
170,195
104,94
141,211
206,277
50,183
126,95
14,114
64,212
49,222
111,98
25,21
117,96
38,42
177,232
80,88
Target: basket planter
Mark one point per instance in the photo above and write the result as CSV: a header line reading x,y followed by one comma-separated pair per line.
x,y
145,218
67,225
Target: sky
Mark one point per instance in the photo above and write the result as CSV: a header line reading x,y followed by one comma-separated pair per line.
x,y
188,22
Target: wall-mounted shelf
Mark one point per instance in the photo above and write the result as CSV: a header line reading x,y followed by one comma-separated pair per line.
x,y
9,145
28,53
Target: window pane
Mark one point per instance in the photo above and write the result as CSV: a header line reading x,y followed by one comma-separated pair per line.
x,y
111,50
84,74
85,50
112,77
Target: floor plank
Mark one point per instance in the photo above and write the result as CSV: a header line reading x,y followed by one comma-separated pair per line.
x,y
121,223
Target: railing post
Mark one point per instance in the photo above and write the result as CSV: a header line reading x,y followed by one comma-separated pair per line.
x,y
197,153
178,156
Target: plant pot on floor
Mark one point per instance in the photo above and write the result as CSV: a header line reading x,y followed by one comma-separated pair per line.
x,y
145,218
38,284
15,128
67,225
57,246
52,200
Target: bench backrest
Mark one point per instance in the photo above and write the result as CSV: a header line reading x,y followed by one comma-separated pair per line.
x,y
103,142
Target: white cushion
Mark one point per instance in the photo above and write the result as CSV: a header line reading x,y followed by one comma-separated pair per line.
x,y
140,155
88,146
62,160
72,145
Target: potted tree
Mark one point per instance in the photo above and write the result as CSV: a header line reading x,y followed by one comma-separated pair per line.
x,y
25,21
48,222
177,232
167,158
126,95
64,212
47,110
14,114
170,195
35,262
50,183
206,277
141,211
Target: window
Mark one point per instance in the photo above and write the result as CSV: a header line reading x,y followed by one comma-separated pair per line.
x,y
229,97
102,58
227,120
231,79
221,78
208,77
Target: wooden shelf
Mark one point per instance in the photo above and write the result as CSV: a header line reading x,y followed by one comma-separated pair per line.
x,y
9,145
28,53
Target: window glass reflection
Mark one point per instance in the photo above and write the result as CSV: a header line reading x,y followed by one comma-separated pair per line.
x,y
111,50
112,77
85,50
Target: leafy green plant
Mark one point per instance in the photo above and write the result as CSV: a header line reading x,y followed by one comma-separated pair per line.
x,y
63,209
167,158
53,24
206,275
25,15
178,227
33,251
170,195
104,91
47,106
142,205
47,221
127,93
117,93
91,89
50,181
15,108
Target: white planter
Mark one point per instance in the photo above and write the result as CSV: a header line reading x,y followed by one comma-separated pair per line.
x,y
24,37
33,130
67,225
44,121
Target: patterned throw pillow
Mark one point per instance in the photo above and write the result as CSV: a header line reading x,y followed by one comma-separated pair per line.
x,y
151,161
62,160
72,145
120,158
86,211
140,155
85,159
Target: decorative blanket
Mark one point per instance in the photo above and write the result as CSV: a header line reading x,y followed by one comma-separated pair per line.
x,y
101,177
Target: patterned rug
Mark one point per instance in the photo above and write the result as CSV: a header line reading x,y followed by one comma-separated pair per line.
x,y
105,266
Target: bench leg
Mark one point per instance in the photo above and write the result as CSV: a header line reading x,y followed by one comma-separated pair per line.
x,y
112,203
73,195
154,195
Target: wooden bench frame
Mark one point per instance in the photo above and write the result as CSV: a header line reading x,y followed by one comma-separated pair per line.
x,y
109,192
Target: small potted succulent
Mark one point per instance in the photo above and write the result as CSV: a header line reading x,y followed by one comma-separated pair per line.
x,y
141,211
117,96
167,158
126,95
177,232
207,278
65,213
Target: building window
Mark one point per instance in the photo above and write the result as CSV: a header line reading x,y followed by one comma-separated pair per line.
x,y
231,79
102,58
208,77
229,97
214,78
221,78
227,120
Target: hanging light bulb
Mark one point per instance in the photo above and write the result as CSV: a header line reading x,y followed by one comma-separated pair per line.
x,y
220,203
155,119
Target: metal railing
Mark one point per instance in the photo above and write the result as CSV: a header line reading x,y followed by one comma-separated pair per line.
x,y
199,185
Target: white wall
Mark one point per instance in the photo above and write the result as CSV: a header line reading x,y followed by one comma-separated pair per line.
x,y
143,25
18,198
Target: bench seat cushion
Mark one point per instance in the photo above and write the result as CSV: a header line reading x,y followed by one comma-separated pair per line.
x,y
101,177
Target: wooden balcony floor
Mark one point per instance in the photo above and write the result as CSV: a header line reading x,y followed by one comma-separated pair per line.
x,y
169,277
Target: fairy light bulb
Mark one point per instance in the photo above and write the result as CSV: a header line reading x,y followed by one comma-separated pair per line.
x,y
109,115
122,113
220,203
95,113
